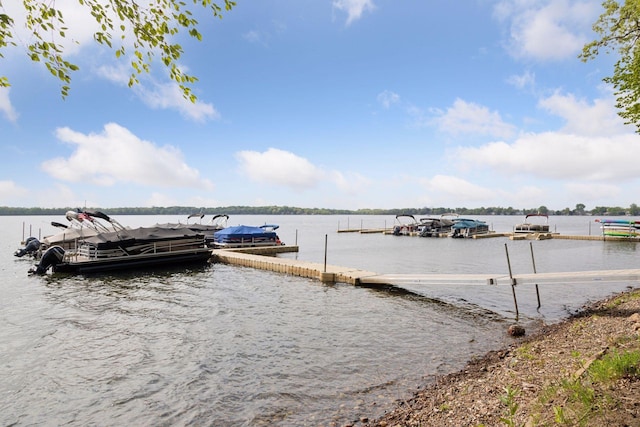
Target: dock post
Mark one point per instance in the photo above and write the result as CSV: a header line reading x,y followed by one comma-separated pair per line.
x,y
324,276
533,260
325,254
513,283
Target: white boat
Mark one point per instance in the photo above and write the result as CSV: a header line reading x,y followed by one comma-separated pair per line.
x,y
540,226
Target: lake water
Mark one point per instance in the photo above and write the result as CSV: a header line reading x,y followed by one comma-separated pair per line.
x,y
221,345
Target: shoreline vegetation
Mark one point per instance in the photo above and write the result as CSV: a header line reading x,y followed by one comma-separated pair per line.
x,y
582,371
632,210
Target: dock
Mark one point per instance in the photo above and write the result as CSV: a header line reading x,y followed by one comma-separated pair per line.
x,y
504,279
510,235
366,230
263,258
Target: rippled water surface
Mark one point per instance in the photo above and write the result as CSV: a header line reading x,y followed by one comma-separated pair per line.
x,y
222,345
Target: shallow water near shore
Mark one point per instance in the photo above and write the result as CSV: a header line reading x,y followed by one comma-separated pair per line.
x,y
222,345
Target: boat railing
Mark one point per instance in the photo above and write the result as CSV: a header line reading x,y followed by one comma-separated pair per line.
x,y
93,252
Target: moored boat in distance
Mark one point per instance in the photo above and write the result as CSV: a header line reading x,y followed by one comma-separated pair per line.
x,y
533,227
436,226
466,227
406,225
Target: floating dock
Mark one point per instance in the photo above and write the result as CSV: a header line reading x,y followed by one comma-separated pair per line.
x,y
504,279
263,258
510,235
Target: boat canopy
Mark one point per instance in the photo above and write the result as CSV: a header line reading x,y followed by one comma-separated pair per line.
x,y
468,223
242,232
536,214
139,235
68,235
405,216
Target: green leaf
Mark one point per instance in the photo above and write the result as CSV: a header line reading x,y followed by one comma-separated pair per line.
x,y
150,27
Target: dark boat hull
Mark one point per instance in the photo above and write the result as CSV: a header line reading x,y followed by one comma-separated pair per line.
x,y
160,260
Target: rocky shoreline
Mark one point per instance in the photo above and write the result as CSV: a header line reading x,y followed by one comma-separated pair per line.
x,y
554,377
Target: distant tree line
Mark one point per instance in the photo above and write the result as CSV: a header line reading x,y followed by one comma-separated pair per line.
x,y
632,210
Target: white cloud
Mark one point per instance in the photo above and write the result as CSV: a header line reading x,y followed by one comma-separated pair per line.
x,y
523,81
447,187
178,199
60,195
169,96
560,156
160,95
350,183
583,118
283,168
254,36
117,155
387,98
354,8
5,105
591,191
588,159
467,117
159,199
548,29
9,190
280,168
117,74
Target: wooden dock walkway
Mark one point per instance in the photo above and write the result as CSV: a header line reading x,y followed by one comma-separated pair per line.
x,y
263,258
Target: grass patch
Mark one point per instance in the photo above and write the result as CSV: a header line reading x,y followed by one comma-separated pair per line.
x,y
580,401
621,299
615,365
525,352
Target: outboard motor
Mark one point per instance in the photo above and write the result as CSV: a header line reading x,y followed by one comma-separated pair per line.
x,y
31,246
52,257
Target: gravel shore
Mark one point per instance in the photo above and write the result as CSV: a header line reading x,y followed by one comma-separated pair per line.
x,y
554,377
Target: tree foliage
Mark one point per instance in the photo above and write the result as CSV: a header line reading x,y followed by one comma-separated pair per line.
x,y
619,30
152,26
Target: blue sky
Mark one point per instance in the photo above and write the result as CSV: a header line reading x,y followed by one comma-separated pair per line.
x,y
342,104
